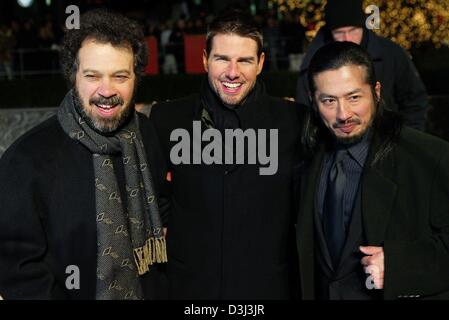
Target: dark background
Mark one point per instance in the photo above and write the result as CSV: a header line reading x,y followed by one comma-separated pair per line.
x,y
47,90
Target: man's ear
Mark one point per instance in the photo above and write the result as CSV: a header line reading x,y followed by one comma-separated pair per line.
x,y
377,89
260,63
205,64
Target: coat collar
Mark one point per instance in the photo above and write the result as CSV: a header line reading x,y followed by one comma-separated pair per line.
x,y
253,114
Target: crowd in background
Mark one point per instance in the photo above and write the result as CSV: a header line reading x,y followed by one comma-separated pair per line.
x,y
33,45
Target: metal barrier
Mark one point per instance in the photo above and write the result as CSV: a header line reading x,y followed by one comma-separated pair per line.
x,y
15,122
31,62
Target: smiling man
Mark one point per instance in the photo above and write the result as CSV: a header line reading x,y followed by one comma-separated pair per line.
x,y
229,226
79,215
374,213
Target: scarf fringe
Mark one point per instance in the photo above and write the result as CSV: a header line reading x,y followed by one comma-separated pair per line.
x,y
153,251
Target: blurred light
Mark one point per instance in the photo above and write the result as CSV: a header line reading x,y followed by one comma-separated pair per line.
x,y
407,22
253,9
25,3
48,2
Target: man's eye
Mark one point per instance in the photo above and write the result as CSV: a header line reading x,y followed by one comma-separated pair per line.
x,y
354,98
121,77
327,101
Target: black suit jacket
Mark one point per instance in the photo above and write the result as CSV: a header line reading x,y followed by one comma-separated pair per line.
x,y
405,209
48,215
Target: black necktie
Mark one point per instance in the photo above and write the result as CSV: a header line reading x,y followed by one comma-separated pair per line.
x,y
333,213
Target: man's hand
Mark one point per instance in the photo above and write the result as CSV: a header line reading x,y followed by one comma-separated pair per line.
x,y
374,264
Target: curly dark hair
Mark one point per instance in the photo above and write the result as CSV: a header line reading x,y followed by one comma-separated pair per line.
x,y
103,26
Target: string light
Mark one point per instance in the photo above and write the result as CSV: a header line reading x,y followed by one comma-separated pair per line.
x,y
407,22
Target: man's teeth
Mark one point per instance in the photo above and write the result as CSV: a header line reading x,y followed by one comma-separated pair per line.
x,y
231,85
105,106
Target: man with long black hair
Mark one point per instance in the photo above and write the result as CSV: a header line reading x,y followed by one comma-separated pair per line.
x,y
374,194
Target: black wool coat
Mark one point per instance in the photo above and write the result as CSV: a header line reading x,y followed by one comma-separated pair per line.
x,y
229,227
48,215
405,209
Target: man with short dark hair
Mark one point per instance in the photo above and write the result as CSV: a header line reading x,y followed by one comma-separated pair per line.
x,y
402,88
374,193
229,226
79,216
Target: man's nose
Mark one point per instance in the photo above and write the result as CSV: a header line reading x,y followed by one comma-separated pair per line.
x,y
343,112
345,36
106,88
233,70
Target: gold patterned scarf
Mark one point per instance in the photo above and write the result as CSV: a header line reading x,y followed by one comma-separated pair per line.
x,y
129,239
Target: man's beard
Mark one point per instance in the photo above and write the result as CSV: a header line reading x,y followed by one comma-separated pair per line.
x,y
355,138
352,139
99,124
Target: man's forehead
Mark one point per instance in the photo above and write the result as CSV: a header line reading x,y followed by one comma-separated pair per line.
x,y
230,43
95,56
345,29
346,73
342,81
92,47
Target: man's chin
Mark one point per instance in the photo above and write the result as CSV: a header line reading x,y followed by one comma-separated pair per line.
x,y
232,102
350,139
108,125
105,125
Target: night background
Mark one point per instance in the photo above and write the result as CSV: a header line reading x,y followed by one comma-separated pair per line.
x,y
31,84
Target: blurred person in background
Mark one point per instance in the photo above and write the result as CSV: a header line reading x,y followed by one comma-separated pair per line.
x,y
402,87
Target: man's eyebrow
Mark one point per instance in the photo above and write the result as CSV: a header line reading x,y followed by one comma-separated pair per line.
x,y
122,71
90,71
350,93
358,90
246,59
324,95
223,56
126,71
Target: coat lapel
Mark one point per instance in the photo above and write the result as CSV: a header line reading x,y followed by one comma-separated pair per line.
x,y
320,237
305,225
378,195
354,235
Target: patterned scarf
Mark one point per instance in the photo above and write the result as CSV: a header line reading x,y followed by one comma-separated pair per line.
x,y
124,235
